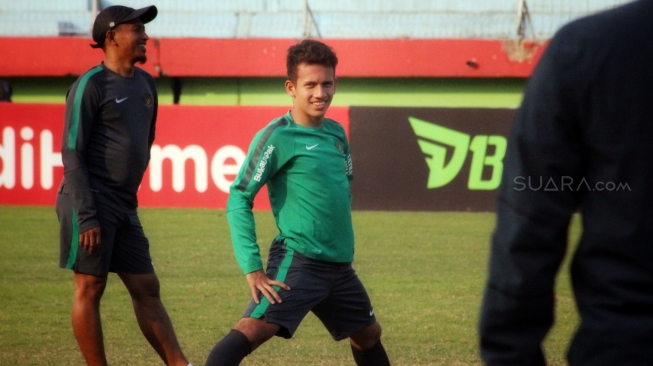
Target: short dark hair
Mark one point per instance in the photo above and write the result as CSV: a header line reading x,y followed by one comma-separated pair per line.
x,y
311,52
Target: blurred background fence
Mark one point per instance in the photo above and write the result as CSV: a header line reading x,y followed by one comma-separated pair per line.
x,y
413,19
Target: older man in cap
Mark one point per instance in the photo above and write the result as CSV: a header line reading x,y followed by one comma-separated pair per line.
x,y
108,132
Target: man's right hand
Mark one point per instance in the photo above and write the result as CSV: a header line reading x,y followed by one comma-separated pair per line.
x,y
258,281
90,239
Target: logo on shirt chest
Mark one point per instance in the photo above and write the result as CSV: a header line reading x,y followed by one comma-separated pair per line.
x,y
337,144
148,100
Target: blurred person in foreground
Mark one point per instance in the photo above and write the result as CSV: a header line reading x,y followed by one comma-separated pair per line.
x,y
5,91
585,130
304,159
109,129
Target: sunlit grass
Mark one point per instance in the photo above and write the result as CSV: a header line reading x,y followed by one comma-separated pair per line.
x,y
424,271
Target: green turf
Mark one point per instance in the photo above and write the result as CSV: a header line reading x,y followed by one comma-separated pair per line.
x,y
424,272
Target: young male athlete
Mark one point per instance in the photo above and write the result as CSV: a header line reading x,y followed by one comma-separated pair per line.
x,y
109,128
304,160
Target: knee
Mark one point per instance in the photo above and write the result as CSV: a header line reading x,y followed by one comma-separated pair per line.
x,y
150,288
141,287
257,331
89,288
367,337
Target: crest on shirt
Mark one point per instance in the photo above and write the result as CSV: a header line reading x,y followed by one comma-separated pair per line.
x,y
339,147
148,100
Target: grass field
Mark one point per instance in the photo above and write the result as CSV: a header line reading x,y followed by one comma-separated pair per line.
x,y
424,272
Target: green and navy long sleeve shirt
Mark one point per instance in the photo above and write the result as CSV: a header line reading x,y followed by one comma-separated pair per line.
x,y
109,129
307,172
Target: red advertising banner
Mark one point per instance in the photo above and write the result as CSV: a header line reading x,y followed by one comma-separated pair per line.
x,y
195,157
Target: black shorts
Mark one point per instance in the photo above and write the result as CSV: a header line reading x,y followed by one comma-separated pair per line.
x,y
332,291
124,247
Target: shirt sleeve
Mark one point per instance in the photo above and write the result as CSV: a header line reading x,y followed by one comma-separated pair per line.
x,y
154,118
349,168
82,103
530,238
261,163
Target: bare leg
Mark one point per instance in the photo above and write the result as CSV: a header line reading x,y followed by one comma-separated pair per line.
x,y
247,335
86,321
257,331
366,347
366,338
152,317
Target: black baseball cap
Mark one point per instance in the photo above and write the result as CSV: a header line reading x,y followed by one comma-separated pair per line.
x,y
111,17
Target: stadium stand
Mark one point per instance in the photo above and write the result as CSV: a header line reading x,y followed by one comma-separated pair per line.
x,y
345,19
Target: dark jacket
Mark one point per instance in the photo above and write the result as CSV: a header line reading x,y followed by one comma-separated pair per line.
x,y
582,140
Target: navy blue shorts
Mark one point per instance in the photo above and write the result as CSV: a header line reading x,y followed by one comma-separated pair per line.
x,y
124,247
332,291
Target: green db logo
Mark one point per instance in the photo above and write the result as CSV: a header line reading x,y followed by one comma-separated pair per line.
x,y
431,137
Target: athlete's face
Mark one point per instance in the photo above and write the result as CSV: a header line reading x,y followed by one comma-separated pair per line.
x,y
312,93
130,39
